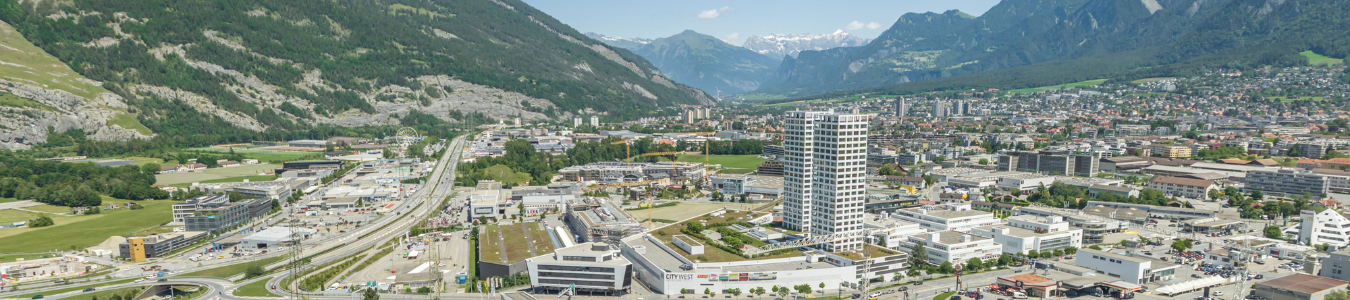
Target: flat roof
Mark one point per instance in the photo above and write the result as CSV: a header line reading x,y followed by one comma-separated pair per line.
x,y
942,213
584,249
783,266
660,258
951,237
1303,283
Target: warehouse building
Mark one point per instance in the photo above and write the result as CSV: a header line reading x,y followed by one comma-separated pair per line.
x,y
275,236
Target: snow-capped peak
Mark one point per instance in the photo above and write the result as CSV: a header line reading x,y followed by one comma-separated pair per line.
x,y
778,45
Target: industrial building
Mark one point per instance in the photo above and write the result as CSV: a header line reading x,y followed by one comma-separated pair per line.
x,y
1129,268
1298,286
933,219
616,171
275,236
486,200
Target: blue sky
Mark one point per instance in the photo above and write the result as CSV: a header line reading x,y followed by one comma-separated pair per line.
x,y
735,20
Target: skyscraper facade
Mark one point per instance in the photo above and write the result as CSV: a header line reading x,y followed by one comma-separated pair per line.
x,y
940,109
824,167
900,107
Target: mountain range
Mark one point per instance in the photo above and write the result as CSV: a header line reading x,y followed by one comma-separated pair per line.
x,y
1022,43
780,45
239,70
701,61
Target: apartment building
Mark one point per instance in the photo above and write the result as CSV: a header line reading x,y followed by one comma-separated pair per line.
x,y
1287,182
951,246
824,175
933,219
1182,187
1051,162
1170,151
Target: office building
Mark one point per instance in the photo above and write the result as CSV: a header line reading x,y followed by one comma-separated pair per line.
x,y
188,208
589,267
946,220
1327,227
1288,182
1015,239
891,230
599,220
1298,286
219,217
1051,162
138,249
952,246
824,169
1094,230
1129,268
487,199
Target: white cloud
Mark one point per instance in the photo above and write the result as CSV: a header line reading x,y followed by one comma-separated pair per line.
x,y
714,13
731,38
855,25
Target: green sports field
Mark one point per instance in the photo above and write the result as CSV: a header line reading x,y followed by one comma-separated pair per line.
x,y
732,164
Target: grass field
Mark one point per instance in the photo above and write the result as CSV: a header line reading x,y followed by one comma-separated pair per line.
x,y
491,249
28,63
216,174
680,212
129,122
710,253
7,99
263,155
255,289
3,200
1147,80
85,230
16,257
105,294
235,269
251,178
1318,59
734,164
1055,87
539,240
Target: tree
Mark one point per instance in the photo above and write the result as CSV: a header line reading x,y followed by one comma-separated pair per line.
x,y
684,291
783,292
1182,245
759,291
984,161
1070,250
708,292
946,268
974,264
1257,196
1033,254
1058,252
886,170
918,255
93,211
370,294
734,292
41,221
897,277
1214,195
253,271
1273,232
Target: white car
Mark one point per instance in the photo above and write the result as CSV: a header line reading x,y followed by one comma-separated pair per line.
x,y
1218,293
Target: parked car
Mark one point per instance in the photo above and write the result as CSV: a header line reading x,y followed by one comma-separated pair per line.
x,y
37,297
88,290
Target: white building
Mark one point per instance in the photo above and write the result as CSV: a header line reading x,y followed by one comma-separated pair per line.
x,y
824,166
589,267
595,121
1327,227
942,220
1129,268
892,230
951,246
1017,240
485,199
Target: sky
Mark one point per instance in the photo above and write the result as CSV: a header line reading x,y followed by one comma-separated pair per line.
x,y
735,20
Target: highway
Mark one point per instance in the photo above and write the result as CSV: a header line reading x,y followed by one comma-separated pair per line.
x,y
440,183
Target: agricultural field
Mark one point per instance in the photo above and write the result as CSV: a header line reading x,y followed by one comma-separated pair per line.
x,y
236,174
263,155
1056,87
1318,59
731,164
84,230
250,178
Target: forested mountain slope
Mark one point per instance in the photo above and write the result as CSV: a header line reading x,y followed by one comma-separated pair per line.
x,y
278,65
1036,43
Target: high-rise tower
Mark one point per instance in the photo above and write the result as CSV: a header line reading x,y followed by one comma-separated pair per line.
x,y
824,165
